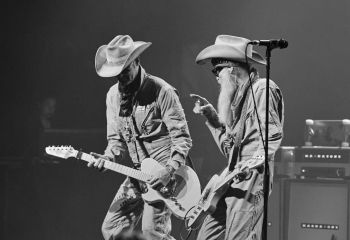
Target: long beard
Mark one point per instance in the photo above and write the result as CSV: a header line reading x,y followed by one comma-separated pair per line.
x,y
227,91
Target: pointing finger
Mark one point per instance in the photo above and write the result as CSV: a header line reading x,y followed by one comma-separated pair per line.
x,y
195,96
199,99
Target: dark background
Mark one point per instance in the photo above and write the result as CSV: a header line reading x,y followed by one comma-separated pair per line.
x,y
48,49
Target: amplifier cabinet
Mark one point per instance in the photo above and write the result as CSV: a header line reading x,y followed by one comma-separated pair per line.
x,y
275,210
316,210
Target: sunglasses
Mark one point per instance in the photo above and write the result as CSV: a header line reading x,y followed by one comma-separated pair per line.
x,y
216,70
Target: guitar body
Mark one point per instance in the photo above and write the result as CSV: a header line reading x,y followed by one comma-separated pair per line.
x,y
215,190
211,195
184,195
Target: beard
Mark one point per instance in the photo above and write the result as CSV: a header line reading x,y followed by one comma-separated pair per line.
x,y
226,96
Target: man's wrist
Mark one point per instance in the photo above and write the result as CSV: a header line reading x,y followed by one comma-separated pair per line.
x,y
170,169
210,112
212,117
171,166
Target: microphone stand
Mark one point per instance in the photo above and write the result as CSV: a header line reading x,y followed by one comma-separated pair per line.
x,y
270,44
266,166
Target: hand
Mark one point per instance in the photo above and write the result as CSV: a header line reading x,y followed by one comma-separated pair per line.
x,y
205,108
201,105
244,173
99,162
240,166
160,179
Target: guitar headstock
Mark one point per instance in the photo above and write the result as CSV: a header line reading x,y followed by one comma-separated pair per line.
x,y
61,151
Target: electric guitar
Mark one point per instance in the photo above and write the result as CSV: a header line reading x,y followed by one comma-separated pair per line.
x,y
215,189
182,192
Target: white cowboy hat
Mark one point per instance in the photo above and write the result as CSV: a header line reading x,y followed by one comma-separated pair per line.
x,y
112,59
231,48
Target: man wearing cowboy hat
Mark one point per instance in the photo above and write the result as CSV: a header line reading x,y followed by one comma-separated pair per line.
x,y
144,117
235,128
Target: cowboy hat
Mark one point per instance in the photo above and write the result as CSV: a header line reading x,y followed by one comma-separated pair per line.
x,y
112,59
231,48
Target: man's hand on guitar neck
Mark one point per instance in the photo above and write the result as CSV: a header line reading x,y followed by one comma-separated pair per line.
x,y
99,161
245,168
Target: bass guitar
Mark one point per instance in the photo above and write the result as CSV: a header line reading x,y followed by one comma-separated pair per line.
x,y
215,189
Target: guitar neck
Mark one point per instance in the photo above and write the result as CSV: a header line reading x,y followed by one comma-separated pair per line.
x,y
128,171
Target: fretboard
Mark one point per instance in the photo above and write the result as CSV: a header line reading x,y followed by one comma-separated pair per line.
x,y
128,171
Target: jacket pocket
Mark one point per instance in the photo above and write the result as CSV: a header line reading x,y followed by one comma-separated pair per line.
x,y
148,115
150,123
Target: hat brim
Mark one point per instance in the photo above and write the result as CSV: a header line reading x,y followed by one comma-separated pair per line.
x,y
108,69
228,52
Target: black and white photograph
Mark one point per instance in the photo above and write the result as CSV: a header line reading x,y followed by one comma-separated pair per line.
x,y
175,120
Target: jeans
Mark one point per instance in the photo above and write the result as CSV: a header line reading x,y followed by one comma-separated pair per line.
x,y
126,210
237,216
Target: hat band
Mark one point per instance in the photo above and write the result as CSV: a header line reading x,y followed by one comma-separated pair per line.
x,y
117,61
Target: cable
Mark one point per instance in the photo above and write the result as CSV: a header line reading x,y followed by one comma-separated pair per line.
x,y
186,226
251,88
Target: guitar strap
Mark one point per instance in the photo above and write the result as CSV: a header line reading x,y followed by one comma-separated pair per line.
x,y
142,145
140,186
237,146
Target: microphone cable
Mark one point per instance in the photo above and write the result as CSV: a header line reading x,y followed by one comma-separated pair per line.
x,y
251,88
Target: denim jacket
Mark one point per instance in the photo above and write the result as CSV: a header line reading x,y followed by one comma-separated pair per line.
x,y
160,121
252,145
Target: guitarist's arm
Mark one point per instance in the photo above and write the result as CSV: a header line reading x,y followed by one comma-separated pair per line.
x,y
221,138
116,147
275,119
174,118
217,129
275,122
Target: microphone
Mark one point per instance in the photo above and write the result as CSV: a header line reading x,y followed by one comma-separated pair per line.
x,y
272,43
